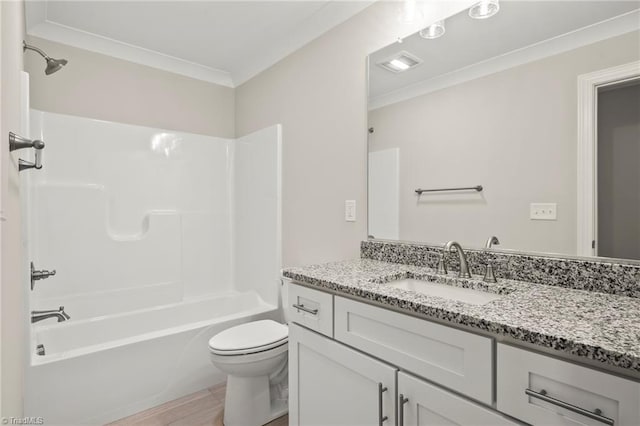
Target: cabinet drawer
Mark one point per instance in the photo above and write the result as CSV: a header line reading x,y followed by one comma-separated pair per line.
x,y
542,390
453,358
311,308
426,404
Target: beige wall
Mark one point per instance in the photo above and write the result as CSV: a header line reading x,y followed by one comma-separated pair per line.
x,y
12,291
514,132
99,86
319,95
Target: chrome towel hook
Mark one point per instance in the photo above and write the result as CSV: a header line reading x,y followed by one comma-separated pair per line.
x,y
18,142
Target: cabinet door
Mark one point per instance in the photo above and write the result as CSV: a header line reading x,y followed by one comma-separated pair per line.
x,y
331,384
425,404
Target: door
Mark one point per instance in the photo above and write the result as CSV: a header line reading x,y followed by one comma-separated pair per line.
x,y
605,178
331,384
421,404
384,194
618,171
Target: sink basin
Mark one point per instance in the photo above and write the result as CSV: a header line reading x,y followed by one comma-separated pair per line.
x,y
460,294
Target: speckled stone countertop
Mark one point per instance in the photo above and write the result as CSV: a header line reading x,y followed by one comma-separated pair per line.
x,y
598,326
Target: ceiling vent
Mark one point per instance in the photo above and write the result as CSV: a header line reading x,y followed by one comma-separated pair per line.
x,y
400,62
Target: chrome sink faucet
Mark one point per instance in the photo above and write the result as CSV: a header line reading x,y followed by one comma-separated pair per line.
x,y
464,266
59,313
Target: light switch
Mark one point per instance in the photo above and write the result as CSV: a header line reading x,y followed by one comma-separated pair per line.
x,y
543,211
350,210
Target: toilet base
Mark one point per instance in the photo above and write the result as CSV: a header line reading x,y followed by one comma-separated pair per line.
x,y
249,401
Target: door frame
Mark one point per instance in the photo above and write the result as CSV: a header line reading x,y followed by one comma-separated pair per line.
x,y
588,85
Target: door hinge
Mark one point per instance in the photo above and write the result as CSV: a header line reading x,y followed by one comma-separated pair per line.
x,y
593,244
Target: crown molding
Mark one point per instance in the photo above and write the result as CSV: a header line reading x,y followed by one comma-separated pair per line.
x,y
309,30
325,18
39,26
84,40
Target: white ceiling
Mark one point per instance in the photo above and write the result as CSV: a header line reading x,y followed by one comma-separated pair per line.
x,y
225,42
470,44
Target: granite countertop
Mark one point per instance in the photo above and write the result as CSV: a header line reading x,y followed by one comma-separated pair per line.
x,y
598,326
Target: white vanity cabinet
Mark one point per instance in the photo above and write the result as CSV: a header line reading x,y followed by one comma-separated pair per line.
x,y
331,384
353,364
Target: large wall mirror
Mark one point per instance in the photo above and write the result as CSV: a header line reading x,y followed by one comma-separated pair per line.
x,y
524,124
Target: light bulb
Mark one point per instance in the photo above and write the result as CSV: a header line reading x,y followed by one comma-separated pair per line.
x,y
484,9
434,30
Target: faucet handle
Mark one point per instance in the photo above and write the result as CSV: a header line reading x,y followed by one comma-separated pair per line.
x,y
442,266
39,275
489,274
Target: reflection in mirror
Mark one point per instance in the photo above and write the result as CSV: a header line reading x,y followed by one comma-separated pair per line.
x,y
510,103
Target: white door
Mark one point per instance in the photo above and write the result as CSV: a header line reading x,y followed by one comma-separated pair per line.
x,y
422,404
384,194
333,385
590,166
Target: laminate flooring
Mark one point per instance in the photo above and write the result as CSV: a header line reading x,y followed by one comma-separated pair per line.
x,y
205,407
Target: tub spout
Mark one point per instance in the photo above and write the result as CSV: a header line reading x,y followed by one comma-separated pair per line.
x,y
59,313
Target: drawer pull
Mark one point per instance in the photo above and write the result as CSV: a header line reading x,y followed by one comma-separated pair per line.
x,y
381,417
303,308
401,401
595,415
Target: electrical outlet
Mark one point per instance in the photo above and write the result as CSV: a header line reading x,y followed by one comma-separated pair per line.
x,y
543,211
350,210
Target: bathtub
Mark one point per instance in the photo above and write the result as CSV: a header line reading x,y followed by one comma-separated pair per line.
x,y
100,369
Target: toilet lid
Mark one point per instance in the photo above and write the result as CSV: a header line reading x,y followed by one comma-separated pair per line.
x,y
251,337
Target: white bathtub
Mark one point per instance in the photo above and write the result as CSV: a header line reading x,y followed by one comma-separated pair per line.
x,y
100,369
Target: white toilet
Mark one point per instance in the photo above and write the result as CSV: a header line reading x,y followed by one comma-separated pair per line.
x,y
254,356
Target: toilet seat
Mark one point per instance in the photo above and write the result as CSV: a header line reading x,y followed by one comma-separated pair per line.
x,y
249,338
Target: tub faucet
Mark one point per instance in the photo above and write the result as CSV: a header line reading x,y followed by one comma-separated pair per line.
x,y
53,313
464,266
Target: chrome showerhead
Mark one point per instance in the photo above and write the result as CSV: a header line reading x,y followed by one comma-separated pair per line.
x,y
53,65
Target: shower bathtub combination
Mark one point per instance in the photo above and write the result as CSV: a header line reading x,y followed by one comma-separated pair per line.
x,y
160,240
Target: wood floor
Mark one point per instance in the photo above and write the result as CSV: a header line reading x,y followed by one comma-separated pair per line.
x,y
200,408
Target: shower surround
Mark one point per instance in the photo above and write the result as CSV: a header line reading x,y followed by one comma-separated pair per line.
x,y
160,239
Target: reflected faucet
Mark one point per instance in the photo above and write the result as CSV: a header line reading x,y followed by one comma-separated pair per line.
x,y
489,275
59,313
464,266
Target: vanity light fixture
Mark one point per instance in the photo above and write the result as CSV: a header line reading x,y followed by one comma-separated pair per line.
x,y
434,30
484,9
401,61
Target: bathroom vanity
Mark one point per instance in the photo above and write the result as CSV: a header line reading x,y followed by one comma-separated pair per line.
x,y
366,348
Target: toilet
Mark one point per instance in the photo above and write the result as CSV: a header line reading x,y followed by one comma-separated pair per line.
x,y
254,357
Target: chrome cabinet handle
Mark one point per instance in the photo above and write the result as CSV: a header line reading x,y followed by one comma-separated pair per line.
x,y
595,415
381,417
303,308
401,401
